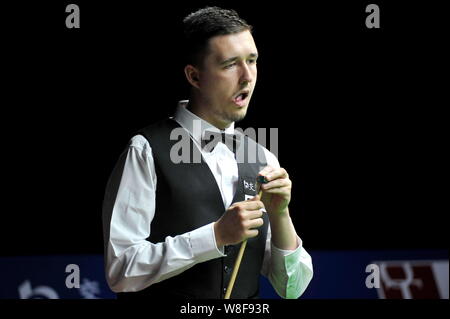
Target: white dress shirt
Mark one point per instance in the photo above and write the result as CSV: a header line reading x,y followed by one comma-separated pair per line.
x,y
132,263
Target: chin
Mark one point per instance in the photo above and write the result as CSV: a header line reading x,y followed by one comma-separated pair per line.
x,y
238,116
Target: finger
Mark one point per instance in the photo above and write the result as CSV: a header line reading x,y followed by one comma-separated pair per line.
x,y
253,199
279,191
277,183
266,170
255,223
252,205
277,174
251,233
254,214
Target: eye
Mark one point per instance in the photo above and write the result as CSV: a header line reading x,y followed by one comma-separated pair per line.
x,y
229,66
252,61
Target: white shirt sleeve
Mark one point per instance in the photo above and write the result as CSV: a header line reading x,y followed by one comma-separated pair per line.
x,y
289,271
132,263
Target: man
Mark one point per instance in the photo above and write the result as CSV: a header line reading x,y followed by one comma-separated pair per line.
x,y
173,229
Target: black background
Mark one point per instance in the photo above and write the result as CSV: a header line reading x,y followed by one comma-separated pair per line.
x,y
359,113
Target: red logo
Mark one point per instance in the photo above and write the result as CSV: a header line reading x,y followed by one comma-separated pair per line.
x,y
413,279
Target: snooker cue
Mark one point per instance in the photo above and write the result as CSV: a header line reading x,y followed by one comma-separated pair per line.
x,y
237,263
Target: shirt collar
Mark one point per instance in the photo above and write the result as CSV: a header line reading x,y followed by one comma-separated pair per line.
x,y
195,125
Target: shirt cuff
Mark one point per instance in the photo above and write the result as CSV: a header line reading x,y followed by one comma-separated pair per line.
x,y
284,252
203,244
283,259
294,268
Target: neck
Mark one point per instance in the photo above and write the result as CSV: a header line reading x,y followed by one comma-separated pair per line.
x,y
201,110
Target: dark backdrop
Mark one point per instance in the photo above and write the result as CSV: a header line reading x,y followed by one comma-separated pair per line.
x,y
358,112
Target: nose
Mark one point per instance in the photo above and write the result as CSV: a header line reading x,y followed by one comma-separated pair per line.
x,y
246,75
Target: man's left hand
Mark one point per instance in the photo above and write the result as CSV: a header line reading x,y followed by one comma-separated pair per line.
x,y
277,191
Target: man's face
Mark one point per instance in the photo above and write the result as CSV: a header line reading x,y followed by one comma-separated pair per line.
x,y
227,78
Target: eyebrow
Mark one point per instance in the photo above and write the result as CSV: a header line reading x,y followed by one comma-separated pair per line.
x,y
251,55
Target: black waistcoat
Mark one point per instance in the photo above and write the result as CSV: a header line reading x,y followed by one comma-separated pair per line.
x,y
187,197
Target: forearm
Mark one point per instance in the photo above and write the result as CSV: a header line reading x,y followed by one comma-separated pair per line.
x,y
132,266
284,235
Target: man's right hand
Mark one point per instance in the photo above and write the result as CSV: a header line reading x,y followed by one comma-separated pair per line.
x,y
239,222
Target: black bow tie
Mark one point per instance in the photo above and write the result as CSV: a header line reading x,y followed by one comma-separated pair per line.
x,y
211,138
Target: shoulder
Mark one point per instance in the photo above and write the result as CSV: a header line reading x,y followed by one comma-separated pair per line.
x,y
139,141
140,145
160,128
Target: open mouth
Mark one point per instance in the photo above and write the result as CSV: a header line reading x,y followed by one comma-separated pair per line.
x,y
241,97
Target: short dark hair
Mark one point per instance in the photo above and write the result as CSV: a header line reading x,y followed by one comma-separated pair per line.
x,y
203,24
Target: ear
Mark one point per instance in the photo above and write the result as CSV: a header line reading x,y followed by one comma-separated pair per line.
x,y
192,75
